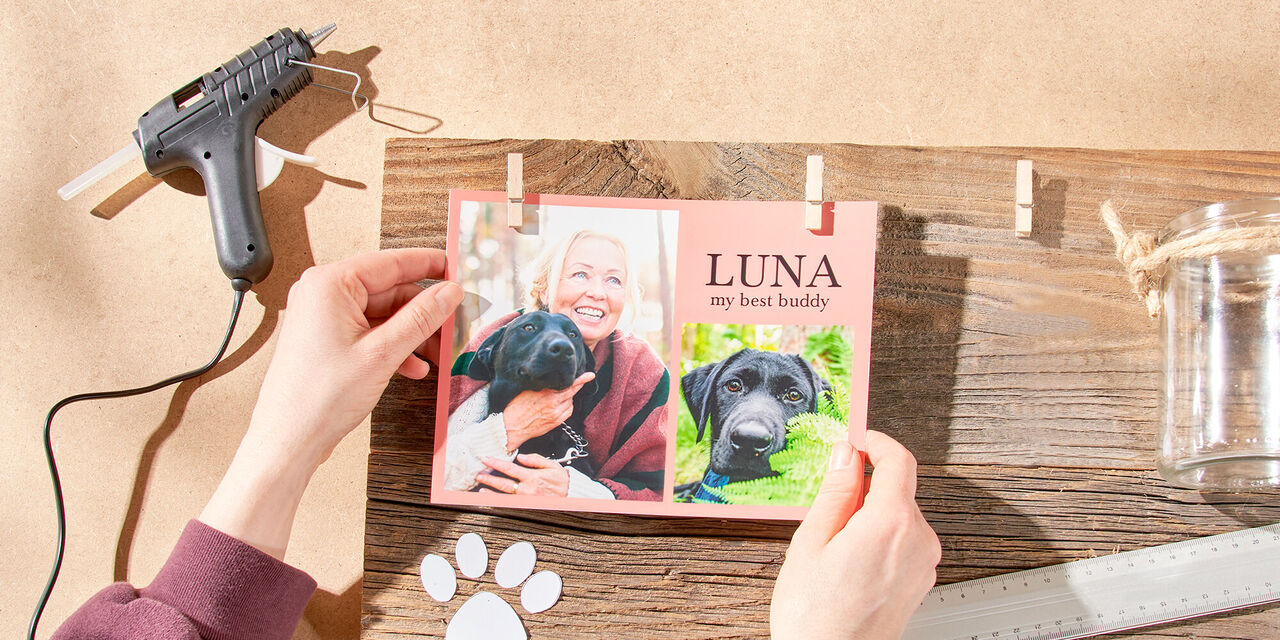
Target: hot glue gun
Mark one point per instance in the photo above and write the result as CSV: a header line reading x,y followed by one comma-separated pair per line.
x,y
210,125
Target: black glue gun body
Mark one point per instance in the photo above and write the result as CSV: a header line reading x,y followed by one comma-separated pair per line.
x,y
210,126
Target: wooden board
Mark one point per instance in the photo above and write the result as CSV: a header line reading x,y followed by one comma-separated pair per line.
x,y
1021,373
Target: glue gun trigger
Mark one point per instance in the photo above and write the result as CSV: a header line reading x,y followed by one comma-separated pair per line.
x,y
269,160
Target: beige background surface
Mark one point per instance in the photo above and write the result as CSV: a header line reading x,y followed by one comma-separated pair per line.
x,y
92,303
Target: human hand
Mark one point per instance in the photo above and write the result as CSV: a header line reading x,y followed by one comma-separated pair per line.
x,y
535,475
855,572
348,327
533,413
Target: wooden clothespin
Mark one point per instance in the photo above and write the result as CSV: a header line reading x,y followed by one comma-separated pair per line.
x,y
813,194
515,190
1023,200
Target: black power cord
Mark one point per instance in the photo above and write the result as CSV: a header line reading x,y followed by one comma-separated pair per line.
x,y
240,286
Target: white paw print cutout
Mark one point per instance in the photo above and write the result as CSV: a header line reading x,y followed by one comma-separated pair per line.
x,y
485,616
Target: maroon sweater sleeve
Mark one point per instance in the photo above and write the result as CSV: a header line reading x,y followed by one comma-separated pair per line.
x,y
213,587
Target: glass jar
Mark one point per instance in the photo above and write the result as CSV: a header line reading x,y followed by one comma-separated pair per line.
x,y
1220,344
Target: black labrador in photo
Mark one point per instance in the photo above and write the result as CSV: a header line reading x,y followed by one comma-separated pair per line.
x,y
535,351
746,400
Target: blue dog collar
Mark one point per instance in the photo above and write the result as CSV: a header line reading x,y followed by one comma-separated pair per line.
x,y
713,480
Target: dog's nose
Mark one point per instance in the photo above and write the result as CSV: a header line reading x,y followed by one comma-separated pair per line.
x,y
753,438
560,348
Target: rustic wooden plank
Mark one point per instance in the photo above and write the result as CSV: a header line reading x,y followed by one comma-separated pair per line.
x,y
1060,514
1021,373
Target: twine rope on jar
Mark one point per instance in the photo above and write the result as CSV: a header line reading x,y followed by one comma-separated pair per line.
x,y
1144,259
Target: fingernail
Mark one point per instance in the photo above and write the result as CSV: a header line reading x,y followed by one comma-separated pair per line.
x,y
841,456
450,294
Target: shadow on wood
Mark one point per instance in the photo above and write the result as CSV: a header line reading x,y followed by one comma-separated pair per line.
x,y
914,357
1050,210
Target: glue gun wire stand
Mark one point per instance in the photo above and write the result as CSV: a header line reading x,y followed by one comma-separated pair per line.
x,y
240,286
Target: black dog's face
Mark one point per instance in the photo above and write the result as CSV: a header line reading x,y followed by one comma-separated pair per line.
x,y
747,399
537,350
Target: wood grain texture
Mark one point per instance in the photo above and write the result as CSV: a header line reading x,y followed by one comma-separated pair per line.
x,y
1021,373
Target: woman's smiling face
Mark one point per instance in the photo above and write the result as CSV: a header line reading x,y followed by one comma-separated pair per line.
x,y
592,288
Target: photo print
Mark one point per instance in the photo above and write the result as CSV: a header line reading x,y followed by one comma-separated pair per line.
x,y
558,387
760,407
651,356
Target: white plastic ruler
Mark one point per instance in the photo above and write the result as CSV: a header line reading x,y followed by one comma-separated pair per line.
x,y
1112,593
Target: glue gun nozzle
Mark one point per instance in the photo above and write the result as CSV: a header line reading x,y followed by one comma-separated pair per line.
x,y
318,36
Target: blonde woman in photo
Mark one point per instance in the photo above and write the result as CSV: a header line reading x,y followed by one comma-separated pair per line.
x,y
620,410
